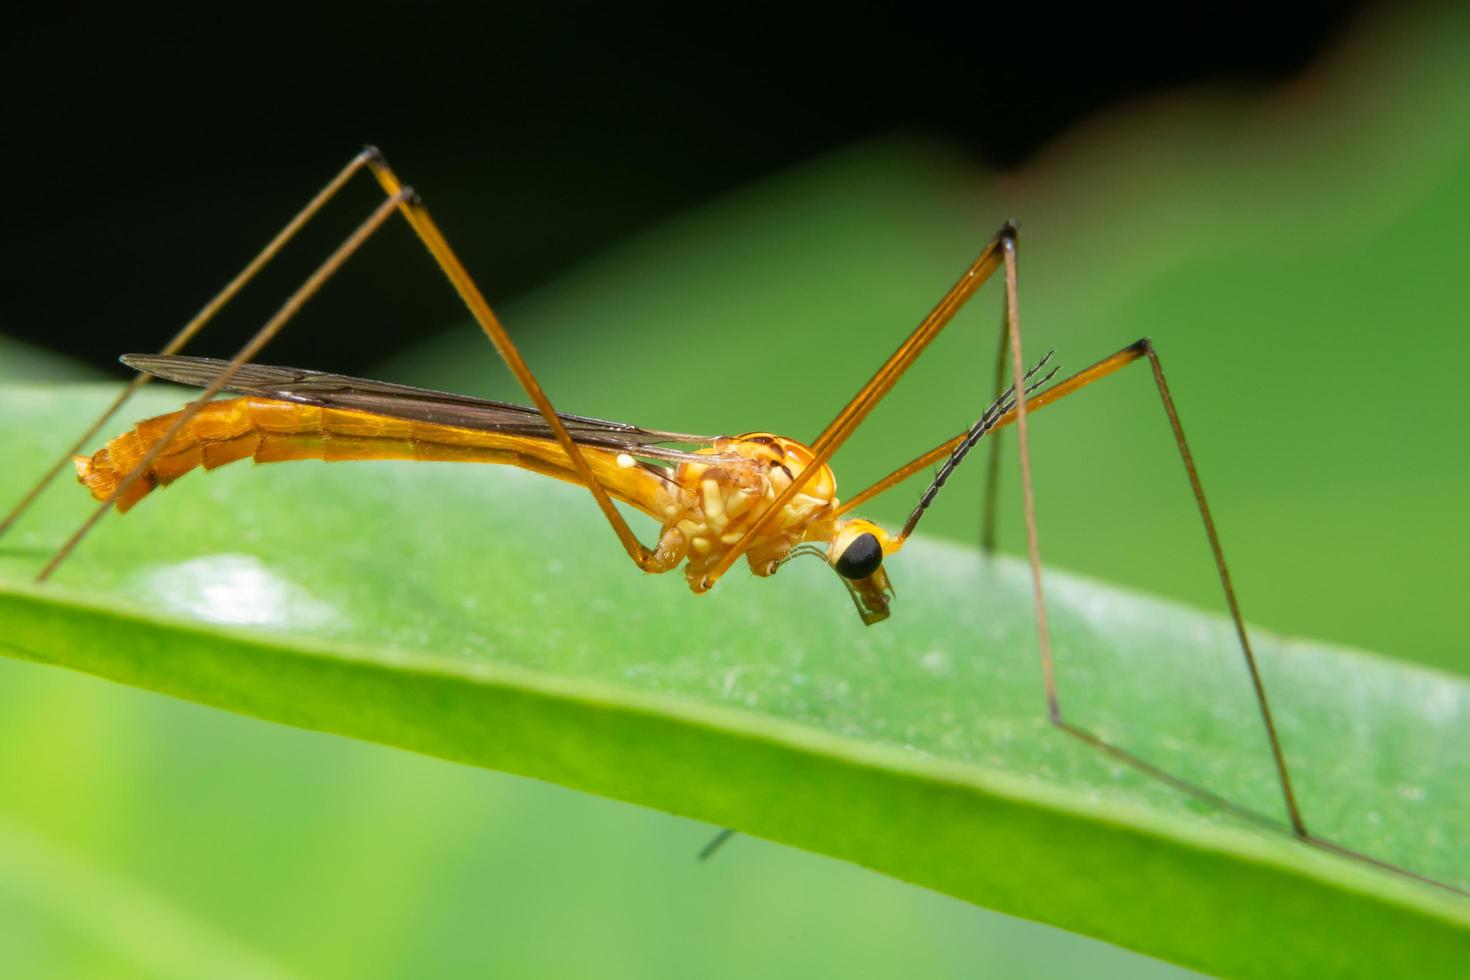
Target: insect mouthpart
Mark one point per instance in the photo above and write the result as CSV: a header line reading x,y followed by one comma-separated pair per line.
x,y
871,595
856,554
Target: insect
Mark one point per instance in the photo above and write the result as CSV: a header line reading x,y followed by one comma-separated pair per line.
x,y
704,500
763,497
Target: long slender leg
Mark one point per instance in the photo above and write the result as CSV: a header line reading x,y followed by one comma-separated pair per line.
x,y
405,201
716,842
1033,548
947,448
263,336
1026,404
992,463
189,330
1294,816
428,232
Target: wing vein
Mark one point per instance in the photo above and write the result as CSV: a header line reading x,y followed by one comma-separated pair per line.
x,y
416,404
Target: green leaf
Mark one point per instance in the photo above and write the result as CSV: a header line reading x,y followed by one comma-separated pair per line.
x,y
486,616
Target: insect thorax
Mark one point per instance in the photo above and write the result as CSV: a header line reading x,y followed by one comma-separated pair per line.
x,y
722,498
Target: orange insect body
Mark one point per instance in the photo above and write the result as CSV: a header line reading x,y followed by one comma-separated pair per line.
x,y
724,495
704,507
272,431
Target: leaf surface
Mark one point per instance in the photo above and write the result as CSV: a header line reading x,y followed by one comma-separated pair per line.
x,y
486,616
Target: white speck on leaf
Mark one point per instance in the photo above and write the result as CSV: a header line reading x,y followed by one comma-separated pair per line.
x,y
236,589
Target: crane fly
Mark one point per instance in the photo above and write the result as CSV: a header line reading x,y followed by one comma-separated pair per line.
x,y
704,497
765,497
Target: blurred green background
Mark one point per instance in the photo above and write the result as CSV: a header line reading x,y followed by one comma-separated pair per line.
x,y
1299,259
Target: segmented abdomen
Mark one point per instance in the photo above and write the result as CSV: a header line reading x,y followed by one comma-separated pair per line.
x,y
274,431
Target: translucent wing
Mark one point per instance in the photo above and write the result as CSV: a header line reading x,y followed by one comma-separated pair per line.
x,y
414,404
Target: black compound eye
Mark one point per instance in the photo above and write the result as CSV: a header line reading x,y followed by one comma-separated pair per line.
x,y
861,558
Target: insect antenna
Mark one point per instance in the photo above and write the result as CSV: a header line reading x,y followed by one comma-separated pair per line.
x,y
1001,406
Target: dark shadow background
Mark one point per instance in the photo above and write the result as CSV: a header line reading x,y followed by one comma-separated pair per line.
x,y
149,156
